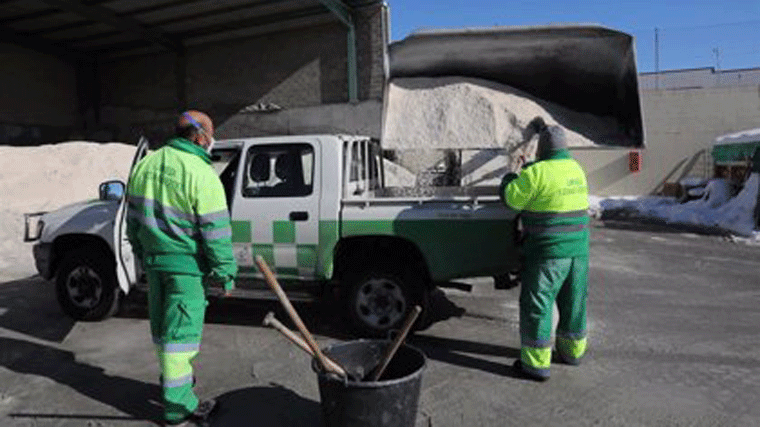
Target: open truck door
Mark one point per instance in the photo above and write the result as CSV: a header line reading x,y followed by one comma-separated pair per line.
x,y
585,68
127,266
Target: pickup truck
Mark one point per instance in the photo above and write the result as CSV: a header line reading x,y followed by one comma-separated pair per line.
x,y
317,207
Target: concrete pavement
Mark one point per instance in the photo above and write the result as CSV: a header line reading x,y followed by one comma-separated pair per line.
x,y
674,340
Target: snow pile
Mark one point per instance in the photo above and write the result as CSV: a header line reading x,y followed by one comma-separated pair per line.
x,y
460,112
737,214
45,178
715,209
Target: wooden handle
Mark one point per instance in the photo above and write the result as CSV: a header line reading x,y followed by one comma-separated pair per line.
x,y
272,282
397,342
272,321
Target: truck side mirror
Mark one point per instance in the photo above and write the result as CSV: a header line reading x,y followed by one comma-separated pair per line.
x,y
111,190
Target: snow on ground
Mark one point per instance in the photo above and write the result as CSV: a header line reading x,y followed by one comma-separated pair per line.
x,y
716,208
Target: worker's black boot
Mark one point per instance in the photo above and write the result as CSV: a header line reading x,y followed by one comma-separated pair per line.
x,y
518,369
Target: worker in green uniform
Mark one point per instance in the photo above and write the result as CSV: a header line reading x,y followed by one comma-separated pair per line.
x,y
179,227
552,196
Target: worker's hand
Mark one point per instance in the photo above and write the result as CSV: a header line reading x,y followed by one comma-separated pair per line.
x,y
227,289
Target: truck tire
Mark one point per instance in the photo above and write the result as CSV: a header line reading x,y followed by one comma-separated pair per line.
x,y
86,286
378,301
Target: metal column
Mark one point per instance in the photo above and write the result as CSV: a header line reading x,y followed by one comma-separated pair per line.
x,y
344,14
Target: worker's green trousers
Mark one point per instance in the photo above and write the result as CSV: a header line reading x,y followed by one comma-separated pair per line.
x,y
177,307
545,281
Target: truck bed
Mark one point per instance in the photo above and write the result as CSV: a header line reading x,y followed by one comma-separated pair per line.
x,y
440,194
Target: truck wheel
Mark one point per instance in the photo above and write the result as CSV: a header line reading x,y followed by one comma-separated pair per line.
x,y
379,301
86,286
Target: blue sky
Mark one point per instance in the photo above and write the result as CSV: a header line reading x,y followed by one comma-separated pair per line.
x,y
692,34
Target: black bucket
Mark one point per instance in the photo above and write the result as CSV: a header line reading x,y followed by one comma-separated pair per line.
x,y
389,402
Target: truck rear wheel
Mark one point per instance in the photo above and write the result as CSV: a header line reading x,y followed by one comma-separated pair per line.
x,y
378,301
86,286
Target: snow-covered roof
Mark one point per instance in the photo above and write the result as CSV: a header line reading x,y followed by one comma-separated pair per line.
x,y
749,135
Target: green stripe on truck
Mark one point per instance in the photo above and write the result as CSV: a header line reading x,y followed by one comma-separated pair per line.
x,y
241,231
451,248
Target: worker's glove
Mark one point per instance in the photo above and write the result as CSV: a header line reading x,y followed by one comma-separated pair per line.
x,y
536,125
503,186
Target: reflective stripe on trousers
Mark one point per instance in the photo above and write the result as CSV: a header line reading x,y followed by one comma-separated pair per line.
x,y
176,306
545,281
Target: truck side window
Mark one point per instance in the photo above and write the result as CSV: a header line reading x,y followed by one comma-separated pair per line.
x,y
364,169
279,170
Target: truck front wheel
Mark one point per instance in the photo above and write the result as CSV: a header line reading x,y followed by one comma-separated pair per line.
x,y
379,301
86,286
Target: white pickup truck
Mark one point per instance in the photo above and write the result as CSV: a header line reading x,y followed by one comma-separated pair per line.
x,y
317,209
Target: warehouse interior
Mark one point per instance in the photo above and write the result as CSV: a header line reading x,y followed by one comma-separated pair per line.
x,y
108,69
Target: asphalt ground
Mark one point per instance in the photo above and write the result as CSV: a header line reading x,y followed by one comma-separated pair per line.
x,y
674,340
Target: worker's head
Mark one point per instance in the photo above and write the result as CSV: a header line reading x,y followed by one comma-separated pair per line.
x,y
550,140
196,127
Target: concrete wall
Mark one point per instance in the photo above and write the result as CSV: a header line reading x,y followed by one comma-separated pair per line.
x,y
699,78
362,118
290,69
680,125
39,96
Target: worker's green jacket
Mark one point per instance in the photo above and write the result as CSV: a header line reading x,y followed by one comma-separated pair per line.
x,y
553,195
178,219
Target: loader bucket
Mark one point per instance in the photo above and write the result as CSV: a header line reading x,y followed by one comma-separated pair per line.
x,y
585,68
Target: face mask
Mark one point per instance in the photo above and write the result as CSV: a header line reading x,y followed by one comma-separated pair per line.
x,y
211,144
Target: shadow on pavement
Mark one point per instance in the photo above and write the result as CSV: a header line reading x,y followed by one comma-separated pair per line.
x,y
272,406
29,306
465,353
324,317
129,396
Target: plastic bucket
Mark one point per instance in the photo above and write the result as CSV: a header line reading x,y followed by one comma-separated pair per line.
x,y
390,402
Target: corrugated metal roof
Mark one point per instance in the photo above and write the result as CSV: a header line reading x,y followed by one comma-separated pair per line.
x,y
113,28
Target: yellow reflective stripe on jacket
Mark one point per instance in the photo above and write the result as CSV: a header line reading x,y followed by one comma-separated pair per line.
x,y
178,208
554,185
553,196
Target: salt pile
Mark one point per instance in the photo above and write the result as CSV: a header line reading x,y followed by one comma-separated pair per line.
x,y
45,178
482,120
462,112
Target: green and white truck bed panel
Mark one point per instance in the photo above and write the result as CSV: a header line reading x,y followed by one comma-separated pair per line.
x,y
456,239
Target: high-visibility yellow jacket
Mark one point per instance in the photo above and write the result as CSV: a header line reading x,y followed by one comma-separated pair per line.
x,y
177,218
553,197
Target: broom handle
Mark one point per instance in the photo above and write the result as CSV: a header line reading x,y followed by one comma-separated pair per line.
x,y
397,342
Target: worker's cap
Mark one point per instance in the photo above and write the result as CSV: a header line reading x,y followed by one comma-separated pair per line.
x,y
552,138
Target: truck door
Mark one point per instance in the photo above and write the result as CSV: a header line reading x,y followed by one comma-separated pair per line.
x,y
276,209
127,267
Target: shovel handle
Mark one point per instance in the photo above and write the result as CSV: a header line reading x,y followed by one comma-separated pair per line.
x,y
272,321
275,286
397,342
